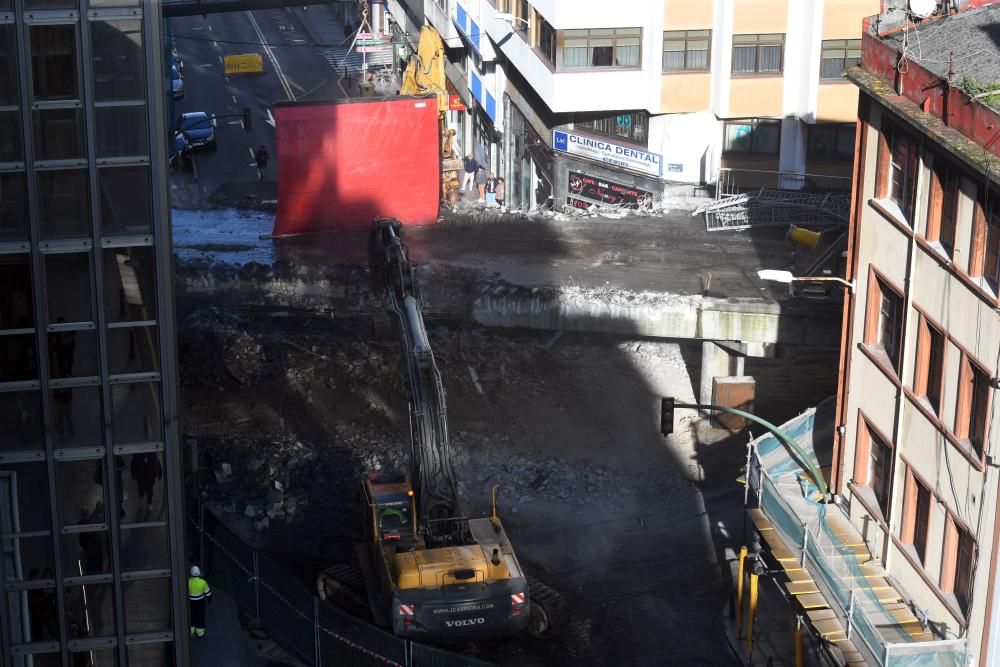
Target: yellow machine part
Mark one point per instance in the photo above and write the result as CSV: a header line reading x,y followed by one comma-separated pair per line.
x,y
430,568
425,71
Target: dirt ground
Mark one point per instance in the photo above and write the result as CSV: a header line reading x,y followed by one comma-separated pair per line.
x,y
629,526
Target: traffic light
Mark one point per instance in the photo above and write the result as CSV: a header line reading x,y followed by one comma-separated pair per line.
x,y
247,119
666,415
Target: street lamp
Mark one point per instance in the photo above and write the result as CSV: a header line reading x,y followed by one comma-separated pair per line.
x,y
786,277
510,18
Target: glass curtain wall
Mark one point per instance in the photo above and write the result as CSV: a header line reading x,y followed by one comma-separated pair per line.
x,y
85,525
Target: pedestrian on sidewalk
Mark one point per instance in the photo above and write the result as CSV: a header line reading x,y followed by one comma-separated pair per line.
x,y
199,595
501,191
261,157
481,184
491,190
471,169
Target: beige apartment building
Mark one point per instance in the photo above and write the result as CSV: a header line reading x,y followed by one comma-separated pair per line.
x,y
915,458
560,93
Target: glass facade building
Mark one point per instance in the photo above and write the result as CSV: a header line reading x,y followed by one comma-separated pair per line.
x,y
90,505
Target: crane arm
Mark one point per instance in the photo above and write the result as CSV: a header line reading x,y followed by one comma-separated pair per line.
x,y
433,475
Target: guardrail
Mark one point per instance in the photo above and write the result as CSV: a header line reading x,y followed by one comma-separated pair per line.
x,y
312,630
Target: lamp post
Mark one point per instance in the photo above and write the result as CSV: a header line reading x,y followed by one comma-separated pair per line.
x,y
786,277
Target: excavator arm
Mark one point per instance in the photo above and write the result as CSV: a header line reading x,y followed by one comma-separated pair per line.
x,y
432,472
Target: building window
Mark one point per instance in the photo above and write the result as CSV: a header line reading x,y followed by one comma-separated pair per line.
x,y
942,209
898,170
972,414
964,564
632,126
8,65
602,47
916,515
54,62
117,60
522,16
759,137
958,564
830,142
758,54
546,39
686,50
838,55
884,325
986,243
929,373
873,465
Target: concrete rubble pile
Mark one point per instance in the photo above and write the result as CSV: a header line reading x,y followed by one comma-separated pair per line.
x,y
215,346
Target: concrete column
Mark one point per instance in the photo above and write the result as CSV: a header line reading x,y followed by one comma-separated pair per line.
x,y
717,361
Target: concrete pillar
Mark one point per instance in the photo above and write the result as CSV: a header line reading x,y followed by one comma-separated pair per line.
x,y
717,361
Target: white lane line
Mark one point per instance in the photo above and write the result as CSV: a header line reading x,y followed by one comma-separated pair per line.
x,y
234,99
210,27
215,44
227,78
270,56
252,153
221,60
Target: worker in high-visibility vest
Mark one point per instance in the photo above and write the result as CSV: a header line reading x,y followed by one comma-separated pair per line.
x,y
199,595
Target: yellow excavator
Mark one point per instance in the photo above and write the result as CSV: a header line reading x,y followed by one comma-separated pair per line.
x,y
430,573
424,74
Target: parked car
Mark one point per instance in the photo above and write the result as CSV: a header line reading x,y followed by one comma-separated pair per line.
x,y
198,128
180,152
176,82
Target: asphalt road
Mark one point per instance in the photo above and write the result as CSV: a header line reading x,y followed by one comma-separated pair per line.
x,y
297,66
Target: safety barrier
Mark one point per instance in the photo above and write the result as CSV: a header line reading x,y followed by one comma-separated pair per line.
x,y
839,576
312,630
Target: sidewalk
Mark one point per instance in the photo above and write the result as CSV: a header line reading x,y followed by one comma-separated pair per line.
x,y
226,644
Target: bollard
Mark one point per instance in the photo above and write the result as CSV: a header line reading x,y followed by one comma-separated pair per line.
x,y
798,641
739,593
753,611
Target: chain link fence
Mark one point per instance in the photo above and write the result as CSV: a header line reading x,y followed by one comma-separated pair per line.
x,y
314,631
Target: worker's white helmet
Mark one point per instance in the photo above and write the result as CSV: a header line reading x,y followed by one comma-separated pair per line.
x,y
195,571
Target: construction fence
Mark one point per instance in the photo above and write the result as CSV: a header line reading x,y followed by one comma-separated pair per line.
x,y
310,629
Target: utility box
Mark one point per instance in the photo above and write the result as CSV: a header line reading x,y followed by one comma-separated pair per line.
x,y
734,391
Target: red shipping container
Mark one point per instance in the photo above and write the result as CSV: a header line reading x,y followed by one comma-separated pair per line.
x,y
343,163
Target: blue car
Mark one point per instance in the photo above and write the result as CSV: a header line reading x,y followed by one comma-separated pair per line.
x,y
198,128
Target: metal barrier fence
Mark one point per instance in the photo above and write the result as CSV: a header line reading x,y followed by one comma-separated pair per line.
x,y
312,630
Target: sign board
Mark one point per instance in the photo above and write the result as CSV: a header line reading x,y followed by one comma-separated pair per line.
x,y
608,152
370,49
243,63
455,103
370,42
675,167
600,191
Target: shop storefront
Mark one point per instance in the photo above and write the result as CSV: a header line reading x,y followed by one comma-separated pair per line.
x,y
591,170
528,173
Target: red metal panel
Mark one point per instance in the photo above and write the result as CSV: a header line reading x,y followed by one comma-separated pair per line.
x,y
340,164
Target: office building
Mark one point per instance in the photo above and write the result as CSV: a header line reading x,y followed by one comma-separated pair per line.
x,y
90,508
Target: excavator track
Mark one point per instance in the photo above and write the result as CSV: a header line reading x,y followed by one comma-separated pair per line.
x,y
549,610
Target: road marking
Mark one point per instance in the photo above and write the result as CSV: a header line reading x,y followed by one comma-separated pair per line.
x,y
234,99
270,56
270,118
215,44
221,60
251,153
210,27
